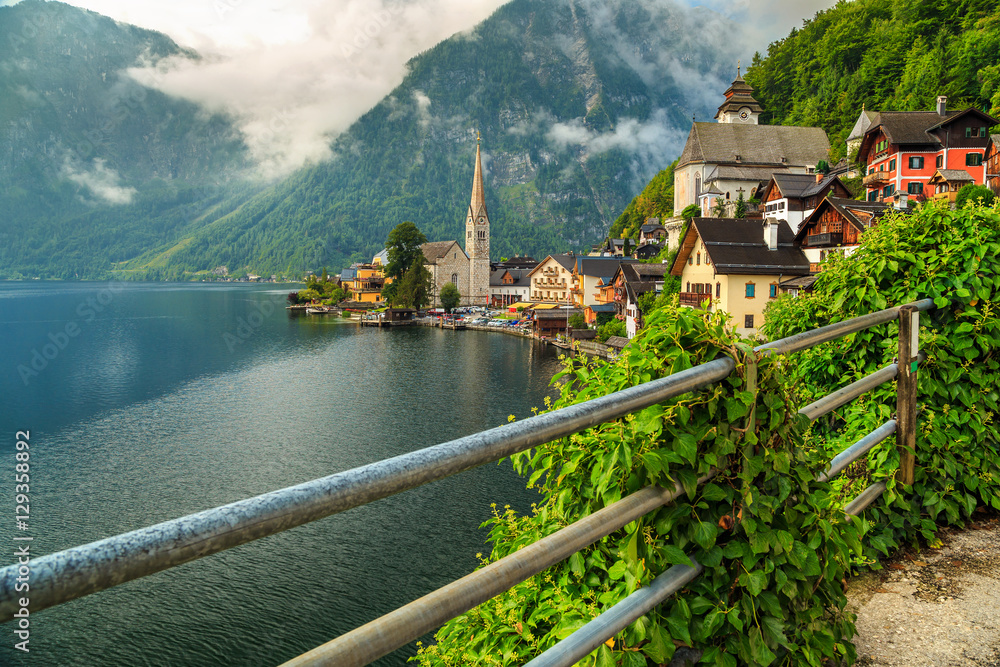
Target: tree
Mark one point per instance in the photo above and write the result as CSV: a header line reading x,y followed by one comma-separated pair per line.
x,y
741,206
627,247
415,287
450,298
293,298
403,246
615,327
974,193
577,321
822,167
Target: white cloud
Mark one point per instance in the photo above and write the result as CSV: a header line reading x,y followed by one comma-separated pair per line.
x,y
653,138
295,73
103,182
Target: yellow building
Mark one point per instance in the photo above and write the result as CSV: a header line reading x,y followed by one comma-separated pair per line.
x,y
364,282
735,265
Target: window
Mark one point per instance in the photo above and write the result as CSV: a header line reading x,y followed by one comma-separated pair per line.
x,y
916,162
973,159
892,165
773,293
690,260
688,288
699,259
454,278
888,190
718,290
873,195
748,321
915,188
468,234
938,161
871,170
750,290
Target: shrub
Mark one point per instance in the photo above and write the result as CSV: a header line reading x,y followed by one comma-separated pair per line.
x,y
611,328
977,194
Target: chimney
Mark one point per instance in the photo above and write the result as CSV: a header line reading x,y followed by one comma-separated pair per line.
x,y
942,105
901,200
820,176
771,234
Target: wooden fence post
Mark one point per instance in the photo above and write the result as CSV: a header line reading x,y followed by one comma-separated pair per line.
x,y
906,393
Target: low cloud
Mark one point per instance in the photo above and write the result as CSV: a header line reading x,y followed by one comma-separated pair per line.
x,y
103,182
653,140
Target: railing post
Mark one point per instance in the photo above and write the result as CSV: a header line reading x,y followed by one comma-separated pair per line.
x,y
906,393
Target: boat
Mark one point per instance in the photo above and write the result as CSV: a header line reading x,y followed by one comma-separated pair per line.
x,y
318,310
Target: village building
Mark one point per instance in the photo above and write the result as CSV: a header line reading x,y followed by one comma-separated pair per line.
x,y
836,225
919,153
509,286
792,197
589,273
737,155
652,232
992,161
363,283
647,251
630,282
552,279
736,265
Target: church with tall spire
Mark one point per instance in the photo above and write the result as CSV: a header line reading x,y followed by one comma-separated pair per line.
x,y
469,269
477,238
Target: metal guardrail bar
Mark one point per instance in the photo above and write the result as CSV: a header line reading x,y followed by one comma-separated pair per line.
x,y
401,626
864,499
845,395
70,574
579,644
857,450
830,332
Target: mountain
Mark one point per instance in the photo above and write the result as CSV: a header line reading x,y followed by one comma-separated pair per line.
x,y
579,103
885,54
94,167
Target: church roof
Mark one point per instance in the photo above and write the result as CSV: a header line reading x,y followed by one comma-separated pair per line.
x,y
778,145
864,121
436,250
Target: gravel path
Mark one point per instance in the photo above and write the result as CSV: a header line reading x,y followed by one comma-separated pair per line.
x,y
935,608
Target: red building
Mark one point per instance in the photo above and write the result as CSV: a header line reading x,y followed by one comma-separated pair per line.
x,y
903,150
993,164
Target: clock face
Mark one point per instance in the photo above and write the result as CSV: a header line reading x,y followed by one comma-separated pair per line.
x,y
744,113
482,220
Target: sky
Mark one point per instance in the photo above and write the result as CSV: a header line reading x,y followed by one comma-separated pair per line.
x,y
295,73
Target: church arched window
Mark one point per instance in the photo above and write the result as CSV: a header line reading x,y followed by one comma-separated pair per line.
x,y
454,278
697,184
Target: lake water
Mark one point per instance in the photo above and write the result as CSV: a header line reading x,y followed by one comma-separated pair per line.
x,y
146,402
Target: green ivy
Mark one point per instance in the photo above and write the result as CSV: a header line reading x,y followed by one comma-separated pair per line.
x,y
774,544
952,257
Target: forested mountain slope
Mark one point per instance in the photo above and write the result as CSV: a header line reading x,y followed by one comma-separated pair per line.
x,y
885,54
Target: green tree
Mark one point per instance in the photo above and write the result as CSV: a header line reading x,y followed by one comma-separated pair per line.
x,y
979,194
415,287
578,321
403,246
627,247
450,298
613,327
741,206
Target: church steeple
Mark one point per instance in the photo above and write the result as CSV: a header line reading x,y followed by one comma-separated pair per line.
x,y
477,207
477,237
740,105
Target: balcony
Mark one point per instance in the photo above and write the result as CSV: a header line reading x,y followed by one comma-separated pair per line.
x,y
875,179
828,239
695,299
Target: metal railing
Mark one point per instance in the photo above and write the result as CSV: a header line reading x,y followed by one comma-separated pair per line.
x,y
80,571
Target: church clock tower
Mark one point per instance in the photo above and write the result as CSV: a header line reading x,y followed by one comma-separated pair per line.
x,y
477,239
740,106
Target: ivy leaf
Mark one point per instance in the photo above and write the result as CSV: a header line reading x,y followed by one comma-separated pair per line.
x,y
758,649
674,556
604,657
659,649
576,564
617,571
704,535
687,447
